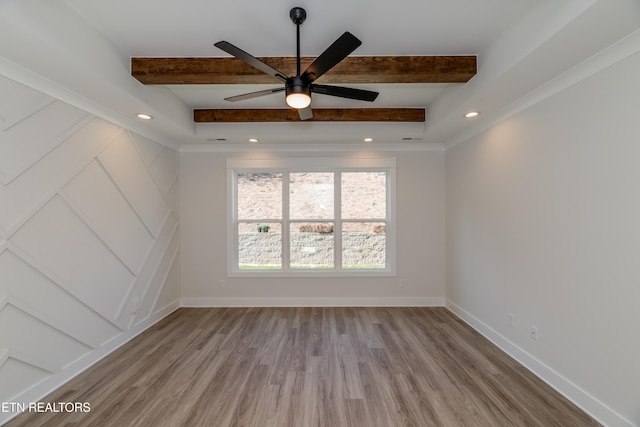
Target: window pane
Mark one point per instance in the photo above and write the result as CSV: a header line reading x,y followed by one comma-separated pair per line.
x,y
311,245
363,245
259,195
311,195
259,246
364,195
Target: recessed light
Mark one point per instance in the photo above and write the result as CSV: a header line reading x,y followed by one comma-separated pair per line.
x,y
471,114
368,140
253,139
144,116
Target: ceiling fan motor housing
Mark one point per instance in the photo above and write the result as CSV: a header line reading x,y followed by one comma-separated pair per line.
x,y
297,86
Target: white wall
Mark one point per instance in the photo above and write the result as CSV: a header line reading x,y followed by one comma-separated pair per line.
x,y
543,217
420,240
88,226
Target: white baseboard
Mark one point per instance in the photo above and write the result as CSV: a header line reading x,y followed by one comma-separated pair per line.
x,y
42,389
314,302
578,396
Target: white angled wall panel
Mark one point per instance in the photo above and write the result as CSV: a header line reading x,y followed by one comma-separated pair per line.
x,y
24,195
93,193
18,375
167,294
58,240
18,102
25,283
44,129
126,167
61,348
88,240
161,273
164,169
147,148
173,198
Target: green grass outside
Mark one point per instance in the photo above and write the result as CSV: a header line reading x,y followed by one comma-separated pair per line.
x,y
304,267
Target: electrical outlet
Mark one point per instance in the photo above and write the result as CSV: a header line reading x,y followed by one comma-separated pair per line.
x,y
222,283
511,320
403,283
533,332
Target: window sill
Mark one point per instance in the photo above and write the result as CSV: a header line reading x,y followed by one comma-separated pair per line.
x,y
311,274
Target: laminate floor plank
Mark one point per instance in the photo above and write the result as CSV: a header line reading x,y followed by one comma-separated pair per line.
x,y
373,399
420,406
309,366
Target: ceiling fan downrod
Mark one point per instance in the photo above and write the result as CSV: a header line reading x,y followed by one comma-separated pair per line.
x,y
298,16
297,91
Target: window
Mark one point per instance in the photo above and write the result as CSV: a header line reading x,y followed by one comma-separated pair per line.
x,y
318,216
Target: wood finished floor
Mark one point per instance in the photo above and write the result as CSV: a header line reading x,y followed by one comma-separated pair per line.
x,y
307,367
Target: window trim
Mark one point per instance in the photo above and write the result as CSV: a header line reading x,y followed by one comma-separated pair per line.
x,y
312,164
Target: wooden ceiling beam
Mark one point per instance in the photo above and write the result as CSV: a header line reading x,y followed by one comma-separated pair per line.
x,y
353,69
319,115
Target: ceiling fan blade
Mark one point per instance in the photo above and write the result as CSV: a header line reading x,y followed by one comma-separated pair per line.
x,y
340,49
250,59
305,113
345,92
254,94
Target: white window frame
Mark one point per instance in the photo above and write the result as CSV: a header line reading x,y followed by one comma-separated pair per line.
x,y
314,164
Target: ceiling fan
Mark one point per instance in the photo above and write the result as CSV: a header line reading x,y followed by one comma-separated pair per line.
x,y
298,88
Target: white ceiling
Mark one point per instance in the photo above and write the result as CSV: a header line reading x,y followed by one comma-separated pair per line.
x,y
82,48
403,27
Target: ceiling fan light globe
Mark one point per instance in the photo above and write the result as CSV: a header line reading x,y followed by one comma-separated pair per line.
x,y
298,100
298,93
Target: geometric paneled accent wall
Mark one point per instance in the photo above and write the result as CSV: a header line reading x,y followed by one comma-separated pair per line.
x,y
88,239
